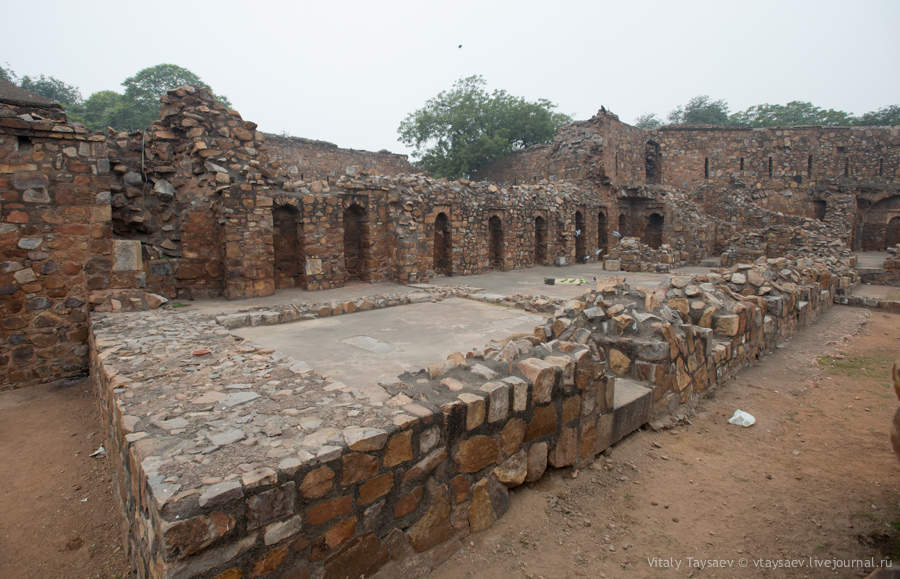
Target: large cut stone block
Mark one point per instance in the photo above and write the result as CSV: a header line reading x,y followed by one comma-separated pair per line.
x,y
632,408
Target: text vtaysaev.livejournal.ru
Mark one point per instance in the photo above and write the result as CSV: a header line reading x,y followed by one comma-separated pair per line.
x,y
763,563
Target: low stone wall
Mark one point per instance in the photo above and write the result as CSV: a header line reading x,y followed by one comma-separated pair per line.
x,y
699,330
232,459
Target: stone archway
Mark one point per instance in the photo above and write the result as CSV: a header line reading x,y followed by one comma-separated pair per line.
x,y
540,241
356,238
892,234
443,263
287,242
624,226
654,232
602,233
875,223
580,251
495,242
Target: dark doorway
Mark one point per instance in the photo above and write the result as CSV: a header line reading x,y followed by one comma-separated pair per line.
x,y
495,229
540,241
652,169
602,234
580,252
442,245
654,232
287,241
892,234
624,228
820,206
355,243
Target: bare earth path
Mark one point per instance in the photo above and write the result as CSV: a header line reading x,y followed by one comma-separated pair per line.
x,y
815,477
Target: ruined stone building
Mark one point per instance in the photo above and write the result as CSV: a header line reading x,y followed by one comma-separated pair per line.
x,y
202,204
231,461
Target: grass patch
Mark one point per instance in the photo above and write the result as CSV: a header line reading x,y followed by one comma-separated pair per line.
x,y
178,305
876,366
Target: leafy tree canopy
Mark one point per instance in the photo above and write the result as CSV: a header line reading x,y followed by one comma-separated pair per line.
x,y
648,121
793,113
701,110
463,128
53,89
7,74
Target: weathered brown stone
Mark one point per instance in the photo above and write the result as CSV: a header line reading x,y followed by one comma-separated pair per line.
x,y
376,488
317,483
513,470
460,487
619,362
358,466
541,375
408,502
340,533
360,558
475,409
327,510
511,436
434,526
269,562
399,449
187,537
481,512
542,423
537,461
476,453
565,451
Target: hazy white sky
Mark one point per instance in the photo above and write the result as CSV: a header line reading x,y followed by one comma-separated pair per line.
x,y
348,72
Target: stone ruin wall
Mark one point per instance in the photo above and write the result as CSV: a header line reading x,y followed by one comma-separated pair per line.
x,y
192,205
309,160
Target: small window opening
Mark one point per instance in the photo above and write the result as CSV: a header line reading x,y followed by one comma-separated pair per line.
x,y
742,163
809,163
770,166
706,167
617,163
24,144
847,168
881,166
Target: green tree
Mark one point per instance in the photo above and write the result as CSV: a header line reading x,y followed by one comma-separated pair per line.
x,y
701,110
648,121
884,116
53,89
791,114
106,109
463,128
145,88
7,74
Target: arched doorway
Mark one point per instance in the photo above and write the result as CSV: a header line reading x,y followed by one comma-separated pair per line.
x,y
356,237
602,234
878,225
442,244
624,227
495,242
287,241
892,235
540,241
580,252
654,231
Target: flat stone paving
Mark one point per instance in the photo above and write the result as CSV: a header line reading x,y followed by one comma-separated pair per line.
x,y
365,348
528,281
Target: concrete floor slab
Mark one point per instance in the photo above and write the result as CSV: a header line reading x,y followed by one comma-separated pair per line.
x,y
365,348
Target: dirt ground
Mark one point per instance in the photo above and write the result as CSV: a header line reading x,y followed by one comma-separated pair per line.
x,y
59,516
815,477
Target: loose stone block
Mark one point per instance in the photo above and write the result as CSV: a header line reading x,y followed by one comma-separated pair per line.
x,y
498,400
537,461
475,409
513,470
541,375
520,393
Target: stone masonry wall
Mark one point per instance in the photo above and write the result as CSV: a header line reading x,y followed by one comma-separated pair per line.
x,y
218,476
309,160
55,244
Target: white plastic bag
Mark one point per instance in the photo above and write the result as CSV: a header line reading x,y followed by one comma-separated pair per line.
x,y
741,418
